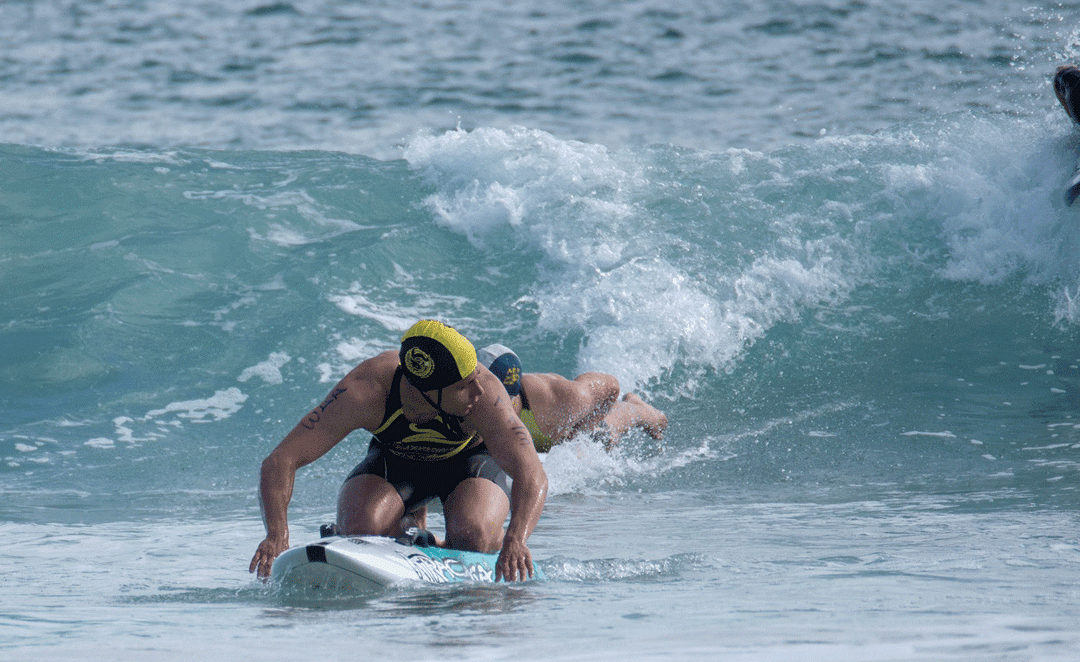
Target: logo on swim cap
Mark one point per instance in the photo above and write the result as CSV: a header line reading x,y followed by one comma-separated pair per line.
x,y
419,363
434,355
513,376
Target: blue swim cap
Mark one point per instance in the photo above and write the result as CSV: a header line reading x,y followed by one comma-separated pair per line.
x,y
504,364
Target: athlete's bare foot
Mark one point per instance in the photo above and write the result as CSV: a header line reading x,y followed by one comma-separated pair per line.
x,y
633,412
650,419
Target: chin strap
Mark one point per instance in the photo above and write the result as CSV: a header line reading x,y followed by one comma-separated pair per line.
x,y
451,420
437,405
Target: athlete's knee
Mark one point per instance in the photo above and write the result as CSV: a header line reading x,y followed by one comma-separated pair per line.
x,y
368,505
353,522
603,388
474,535
609,389
475,512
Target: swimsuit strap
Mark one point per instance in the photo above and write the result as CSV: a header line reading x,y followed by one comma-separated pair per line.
x,y
393,400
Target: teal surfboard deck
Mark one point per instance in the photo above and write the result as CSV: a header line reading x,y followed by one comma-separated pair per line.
x,y
342,564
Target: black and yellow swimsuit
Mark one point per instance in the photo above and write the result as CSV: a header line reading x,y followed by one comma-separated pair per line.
x,y
426,460
438,439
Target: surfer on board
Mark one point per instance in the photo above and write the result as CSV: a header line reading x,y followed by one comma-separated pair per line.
x,y
555,408
442,426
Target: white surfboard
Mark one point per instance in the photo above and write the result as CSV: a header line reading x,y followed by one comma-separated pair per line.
x,y
345,564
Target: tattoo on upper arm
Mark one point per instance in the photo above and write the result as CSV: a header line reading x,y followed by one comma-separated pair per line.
x,y
316,414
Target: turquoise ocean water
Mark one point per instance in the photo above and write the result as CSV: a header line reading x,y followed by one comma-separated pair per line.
x,y
826,238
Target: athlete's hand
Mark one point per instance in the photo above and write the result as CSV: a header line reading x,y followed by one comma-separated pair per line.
x,y
515,562
264,557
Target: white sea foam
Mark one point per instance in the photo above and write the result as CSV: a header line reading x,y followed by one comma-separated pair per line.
x,y
220,406
582,465
579,204
550,191
269,370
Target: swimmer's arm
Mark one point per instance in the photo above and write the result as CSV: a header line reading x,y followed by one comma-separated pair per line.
x,y
511,446
357,401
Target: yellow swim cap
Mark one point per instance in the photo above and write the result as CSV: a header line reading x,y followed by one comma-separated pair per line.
x,y
435,355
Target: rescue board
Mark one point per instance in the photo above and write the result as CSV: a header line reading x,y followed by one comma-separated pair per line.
x,y
346,564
